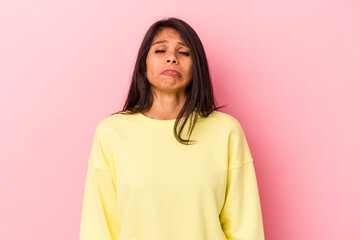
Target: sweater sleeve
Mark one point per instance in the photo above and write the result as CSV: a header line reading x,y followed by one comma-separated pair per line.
x,y
99,218
241,217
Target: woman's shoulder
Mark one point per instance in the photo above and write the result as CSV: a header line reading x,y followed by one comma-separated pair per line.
x,y
225,119
114,121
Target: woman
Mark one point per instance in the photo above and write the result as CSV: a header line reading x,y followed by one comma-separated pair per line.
x,y
145,181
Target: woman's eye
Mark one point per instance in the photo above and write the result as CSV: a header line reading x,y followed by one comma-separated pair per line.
x,y
185,53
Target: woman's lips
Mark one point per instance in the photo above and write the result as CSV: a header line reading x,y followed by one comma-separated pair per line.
x,y
172,73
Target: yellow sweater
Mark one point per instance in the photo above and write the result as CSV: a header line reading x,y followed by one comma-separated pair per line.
x,y
142,184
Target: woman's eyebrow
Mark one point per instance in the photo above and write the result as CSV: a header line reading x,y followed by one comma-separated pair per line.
x,y
163,41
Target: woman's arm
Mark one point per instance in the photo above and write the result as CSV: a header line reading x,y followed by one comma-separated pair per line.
x,y
241,216
99,219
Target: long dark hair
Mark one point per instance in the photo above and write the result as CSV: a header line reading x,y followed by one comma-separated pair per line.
x,y
200,99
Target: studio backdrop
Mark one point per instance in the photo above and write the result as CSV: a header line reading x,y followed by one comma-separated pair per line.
x,y
288,71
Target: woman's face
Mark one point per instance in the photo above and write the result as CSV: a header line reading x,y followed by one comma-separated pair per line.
x,y
168,51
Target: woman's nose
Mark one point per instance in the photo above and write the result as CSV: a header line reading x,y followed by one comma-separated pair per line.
x,y
172,58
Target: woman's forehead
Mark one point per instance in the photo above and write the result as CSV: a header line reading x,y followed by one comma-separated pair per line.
x,y
167,34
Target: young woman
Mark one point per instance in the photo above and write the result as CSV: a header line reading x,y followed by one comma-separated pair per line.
x,y
145,180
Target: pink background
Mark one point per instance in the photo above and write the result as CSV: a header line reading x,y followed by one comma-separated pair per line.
x,y
289,71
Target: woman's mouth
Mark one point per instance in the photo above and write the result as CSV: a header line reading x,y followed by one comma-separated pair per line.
x,y
171,73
